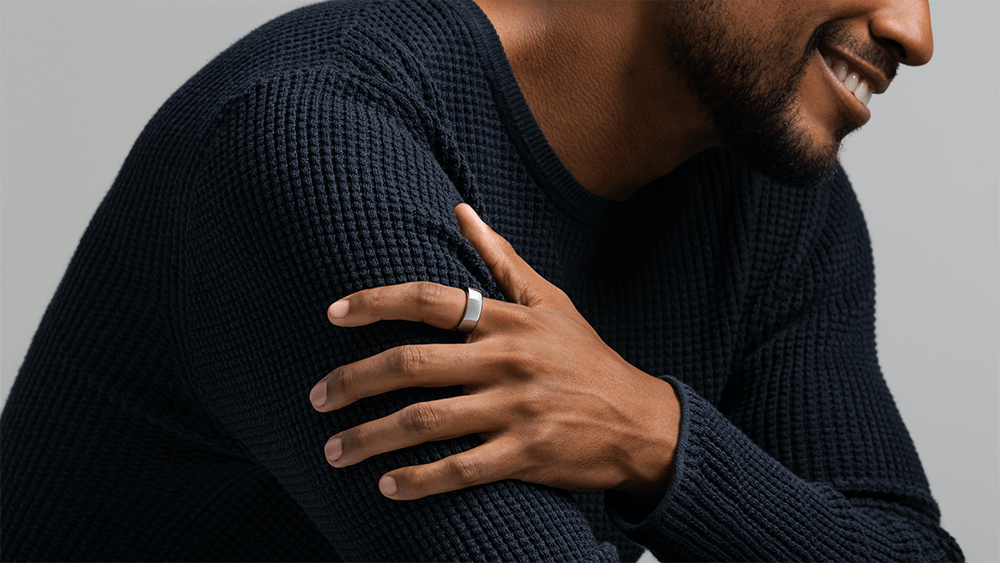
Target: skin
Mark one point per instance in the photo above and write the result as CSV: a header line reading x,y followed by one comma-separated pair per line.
x,y
534,372
624,93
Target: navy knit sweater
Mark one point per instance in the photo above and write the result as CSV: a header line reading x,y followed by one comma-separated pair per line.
x,y
162,411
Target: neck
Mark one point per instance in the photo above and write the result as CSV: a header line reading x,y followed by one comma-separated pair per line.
x,y
597,81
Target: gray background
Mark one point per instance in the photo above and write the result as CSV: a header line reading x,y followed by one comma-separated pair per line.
x,y
78,80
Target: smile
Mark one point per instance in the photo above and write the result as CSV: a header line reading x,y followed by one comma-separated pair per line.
x,y
850,79
854,78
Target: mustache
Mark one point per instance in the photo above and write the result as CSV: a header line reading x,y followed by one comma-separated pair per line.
x,y
875,51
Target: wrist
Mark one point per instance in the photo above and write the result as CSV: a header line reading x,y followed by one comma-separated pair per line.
x,y
650,466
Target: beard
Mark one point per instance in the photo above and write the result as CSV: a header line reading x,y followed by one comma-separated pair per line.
x,y
752,104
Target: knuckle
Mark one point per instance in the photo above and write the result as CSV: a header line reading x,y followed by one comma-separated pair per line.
x,y
506,248
357,441
527,409
532,453
426,294
413,478
523,317
520,362
466,469
560,298
542,438
369,299
343,382
352,440
503,269
421,418
407,359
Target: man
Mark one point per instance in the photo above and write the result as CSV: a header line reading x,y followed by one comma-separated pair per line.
x,y
162,410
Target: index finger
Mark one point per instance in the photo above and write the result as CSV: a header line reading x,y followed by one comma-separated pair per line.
x,y
430,303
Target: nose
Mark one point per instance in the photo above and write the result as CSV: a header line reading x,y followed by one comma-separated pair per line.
x,y
906,25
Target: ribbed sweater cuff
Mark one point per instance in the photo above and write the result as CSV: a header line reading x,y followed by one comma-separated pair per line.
x,y
729,500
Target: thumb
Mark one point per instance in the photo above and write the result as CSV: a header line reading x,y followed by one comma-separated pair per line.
x,y
518,281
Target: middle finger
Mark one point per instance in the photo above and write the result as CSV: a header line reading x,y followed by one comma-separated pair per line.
x,y
416,424
424,365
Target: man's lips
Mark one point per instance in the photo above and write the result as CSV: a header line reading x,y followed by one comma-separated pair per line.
x,y
852,64
855,89
854,80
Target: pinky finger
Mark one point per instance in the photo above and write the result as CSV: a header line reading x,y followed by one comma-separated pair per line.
x,y
487,463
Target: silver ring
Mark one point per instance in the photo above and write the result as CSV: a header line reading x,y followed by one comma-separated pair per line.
x,y
473,309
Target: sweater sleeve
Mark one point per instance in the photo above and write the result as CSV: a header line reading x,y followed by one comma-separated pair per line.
x,y
805,457
315,186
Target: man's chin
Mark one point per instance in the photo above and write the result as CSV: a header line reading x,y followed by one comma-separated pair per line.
x,y
793,163
800,175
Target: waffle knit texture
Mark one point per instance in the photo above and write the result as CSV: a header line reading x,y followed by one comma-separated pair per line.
x,y
162,411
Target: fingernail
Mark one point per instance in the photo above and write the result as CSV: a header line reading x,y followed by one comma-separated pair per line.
x,y
339,309
333,449
318,394
387,485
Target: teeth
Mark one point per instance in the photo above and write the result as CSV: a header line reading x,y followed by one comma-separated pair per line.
x,y
863,93
851,80
840,69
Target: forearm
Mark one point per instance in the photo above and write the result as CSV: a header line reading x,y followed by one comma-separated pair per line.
x,y
730,500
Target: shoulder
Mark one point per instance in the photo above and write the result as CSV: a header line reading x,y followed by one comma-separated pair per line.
x,y
389,45
353,36
393,44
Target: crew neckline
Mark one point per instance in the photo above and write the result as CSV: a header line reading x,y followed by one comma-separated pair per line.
x,y
542,162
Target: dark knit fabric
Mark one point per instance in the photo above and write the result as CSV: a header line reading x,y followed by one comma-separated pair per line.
x,y
162,411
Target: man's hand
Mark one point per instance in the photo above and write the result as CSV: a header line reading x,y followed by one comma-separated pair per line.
x,y
552,402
